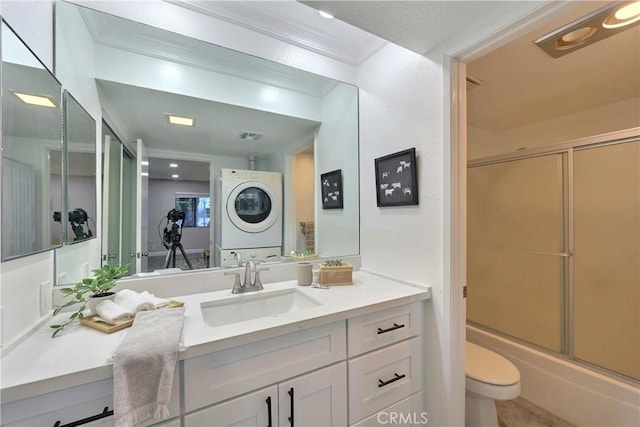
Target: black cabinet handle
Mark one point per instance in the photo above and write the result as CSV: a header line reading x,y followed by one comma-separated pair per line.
x,y
393,328
269,410
105,413
290,392
396,377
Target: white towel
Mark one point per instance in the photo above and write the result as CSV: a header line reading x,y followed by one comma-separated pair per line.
x,y
157,302
144,367
111,313
132,301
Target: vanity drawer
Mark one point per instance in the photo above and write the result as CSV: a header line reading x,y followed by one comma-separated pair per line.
x,y
384,377
375,330
406,413
214,377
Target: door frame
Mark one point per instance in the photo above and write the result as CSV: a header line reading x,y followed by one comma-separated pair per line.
x,y
455,190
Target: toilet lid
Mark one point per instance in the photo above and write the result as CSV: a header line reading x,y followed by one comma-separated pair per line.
x,y
488,367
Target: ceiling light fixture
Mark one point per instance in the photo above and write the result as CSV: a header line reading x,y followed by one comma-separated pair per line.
x,y
325,15
144,173
180,120
626,15
173,165
175,176
41,101
589,29
144,162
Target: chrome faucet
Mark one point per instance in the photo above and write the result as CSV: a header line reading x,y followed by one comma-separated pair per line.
x,y
250,284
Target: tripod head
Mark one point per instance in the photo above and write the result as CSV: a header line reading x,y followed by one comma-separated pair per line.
x,y
77,218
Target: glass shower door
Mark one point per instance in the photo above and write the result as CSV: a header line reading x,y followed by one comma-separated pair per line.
x,y
517,259
607,257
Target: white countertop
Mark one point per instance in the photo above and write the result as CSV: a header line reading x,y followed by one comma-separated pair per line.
x,y
80,355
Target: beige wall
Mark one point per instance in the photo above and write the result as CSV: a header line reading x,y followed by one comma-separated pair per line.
x,y
609,118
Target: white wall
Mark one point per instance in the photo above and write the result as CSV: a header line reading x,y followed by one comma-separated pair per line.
x,y
401,107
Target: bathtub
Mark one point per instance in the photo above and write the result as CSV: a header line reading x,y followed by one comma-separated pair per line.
x,y
577,394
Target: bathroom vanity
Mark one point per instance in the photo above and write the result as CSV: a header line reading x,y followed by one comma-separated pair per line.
x,y
355,353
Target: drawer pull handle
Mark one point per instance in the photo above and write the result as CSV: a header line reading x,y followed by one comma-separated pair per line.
x,y
290,392
105,413
269,410
392,380
393,328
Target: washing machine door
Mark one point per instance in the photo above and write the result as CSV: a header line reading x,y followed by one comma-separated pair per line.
x,y
252,207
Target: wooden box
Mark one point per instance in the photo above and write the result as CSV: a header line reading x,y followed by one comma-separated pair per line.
x,y
340,275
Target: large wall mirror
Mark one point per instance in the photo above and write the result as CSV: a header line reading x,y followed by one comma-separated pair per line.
x,y
31,151
247,113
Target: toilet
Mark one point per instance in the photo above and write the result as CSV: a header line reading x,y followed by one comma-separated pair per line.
x,y
489,377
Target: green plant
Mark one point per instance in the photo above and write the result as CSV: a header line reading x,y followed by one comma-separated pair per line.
x,y
100,284
333,263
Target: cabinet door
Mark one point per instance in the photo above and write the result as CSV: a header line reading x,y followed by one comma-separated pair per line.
x,y
257,409
315,399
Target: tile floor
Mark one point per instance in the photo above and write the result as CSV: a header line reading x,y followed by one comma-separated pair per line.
x,y
522,413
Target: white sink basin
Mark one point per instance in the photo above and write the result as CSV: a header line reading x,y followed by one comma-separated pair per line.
x,y
254,305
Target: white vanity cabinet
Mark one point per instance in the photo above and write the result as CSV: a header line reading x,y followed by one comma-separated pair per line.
x,y
314,399
385,366
304,372
71,405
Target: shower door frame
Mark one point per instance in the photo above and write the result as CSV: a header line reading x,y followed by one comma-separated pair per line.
x,y
568,148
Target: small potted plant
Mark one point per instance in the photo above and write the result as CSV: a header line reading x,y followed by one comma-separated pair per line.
x,y
335,272
98,287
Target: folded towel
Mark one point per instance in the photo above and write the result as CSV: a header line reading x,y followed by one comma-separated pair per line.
x,y
144,367
132,301
157,302
111,313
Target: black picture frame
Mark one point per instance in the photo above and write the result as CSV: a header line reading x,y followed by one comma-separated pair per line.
x,y
396,179
331,184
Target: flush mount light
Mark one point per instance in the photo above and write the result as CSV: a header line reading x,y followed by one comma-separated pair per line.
x,y
325,15
173,165
180,120
589,29
144,173
144,162
175,176
41,101
626,15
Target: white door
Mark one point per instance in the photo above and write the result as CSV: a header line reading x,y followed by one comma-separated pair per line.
x,y
316,399
257,409
142,207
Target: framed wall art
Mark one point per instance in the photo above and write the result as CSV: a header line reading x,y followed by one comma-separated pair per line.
x,y
396,179
331,183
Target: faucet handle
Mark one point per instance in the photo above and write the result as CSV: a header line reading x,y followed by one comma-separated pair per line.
x,y
258,282
237,284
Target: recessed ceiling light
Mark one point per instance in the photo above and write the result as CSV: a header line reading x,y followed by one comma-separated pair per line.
x,y
626,15
144,173
42,101
173,165
144,162
175,176
325,15
180,120
575,37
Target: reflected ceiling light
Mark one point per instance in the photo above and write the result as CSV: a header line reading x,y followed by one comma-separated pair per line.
x,y
325,15
42,101
626,15
145,174
144,162
589,29
175,176
173,165
180,120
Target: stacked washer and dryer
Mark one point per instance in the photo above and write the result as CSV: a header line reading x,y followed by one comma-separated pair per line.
x,y
248,217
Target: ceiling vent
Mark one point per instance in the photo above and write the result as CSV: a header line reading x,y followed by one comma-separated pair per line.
x,y
251,136
473,83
